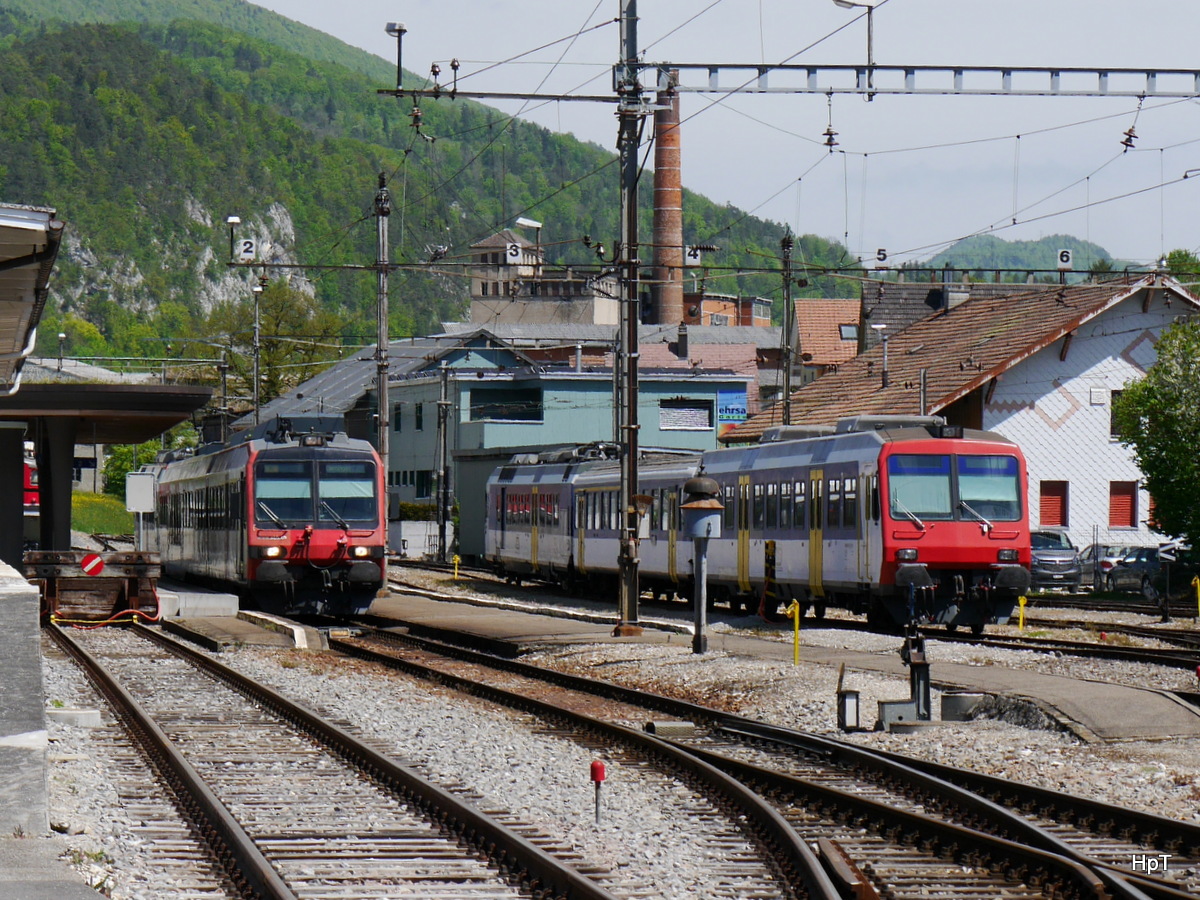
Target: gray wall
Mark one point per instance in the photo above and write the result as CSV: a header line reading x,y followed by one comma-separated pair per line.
x,y
23,794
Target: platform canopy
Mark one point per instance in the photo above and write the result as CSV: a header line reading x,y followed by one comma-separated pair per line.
x,y
29,240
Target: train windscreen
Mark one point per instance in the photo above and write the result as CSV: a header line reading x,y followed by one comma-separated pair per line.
x,y
346,491
989,485
283,492
935,486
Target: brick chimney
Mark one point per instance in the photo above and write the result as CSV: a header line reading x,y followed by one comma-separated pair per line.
x,y
666,289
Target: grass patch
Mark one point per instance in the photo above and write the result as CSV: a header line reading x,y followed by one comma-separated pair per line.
x,y
99,514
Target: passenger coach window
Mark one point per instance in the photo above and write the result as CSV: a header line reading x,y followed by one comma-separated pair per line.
x,y
785,505
833,506
772,506
757,508
850,502
729,514
798,498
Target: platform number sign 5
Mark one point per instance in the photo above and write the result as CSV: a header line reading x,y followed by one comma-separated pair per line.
x,y
1065,260
247,250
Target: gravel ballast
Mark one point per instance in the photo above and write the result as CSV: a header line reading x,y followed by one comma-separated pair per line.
x,y
545,780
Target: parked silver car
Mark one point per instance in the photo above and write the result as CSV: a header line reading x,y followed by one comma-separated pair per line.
x,y
1055,561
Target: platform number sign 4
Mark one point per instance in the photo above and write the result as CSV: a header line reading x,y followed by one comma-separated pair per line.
x,y
694,256
1065,260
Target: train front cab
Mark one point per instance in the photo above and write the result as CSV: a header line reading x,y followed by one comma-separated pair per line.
x,y
955,532
316,541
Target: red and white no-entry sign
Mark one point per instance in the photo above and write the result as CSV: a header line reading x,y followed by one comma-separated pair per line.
x,y
92,564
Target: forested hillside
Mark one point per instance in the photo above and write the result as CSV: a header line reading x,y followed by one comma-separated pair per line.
x,y
146,134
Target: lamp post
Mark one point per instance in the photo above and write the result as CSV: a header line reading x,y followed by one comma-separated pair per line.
x,y
62,339
870,8
882,329
257,290
397,30
232,222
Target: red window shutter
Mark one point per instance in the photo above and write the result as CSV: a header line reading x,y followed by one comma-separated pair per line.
x,y
1053,503
1122,504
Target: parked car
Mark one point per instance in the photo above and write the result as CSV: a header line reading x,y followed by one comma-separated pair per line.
x,y
1098,560
1133,571
1055,561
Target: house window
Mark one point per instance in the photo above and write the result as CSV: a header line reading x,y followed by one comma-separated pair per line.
x,y
424,482
848,332
718,319
1113,431
682,414
419,415
483,288
1052,503
396,420
1122,504
507,404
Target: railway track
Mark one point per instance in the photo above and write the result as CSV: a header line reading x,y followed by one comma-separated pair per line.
x,y
289,805
854,793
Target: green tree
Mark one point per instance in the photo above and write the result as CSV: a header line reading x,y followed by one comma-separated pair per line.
x,y
123,459
1159,418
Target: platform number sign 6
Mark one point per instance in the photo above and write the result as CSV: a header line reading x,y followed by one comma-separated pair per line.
x,y
247,250
1065,261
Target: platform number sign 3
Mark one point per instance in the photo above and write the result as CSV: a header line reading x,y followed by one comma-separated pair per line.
x,y
1065,260
512,253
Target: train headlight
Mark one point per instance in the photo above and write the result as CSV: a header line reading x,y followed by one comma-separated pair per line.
x,y
906,554
360,552
272,552
1007,555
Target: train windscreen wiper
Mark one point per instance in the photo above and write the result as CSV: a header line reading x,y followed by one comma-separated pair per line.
x,y
987,526
905,511
271,514
333,515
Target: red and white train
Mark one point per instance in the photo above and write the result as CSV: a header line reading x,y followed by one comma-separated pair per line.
x,y
291,516
905,519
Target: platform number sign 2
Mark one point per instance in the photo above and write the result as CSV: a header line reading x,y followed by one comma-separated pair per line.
x,y
1065,260
247,250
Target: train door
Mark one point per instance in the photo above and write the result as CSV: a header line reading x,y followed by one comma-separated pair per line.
x,y
743,533
502,515
535,515
816,536
670,500
580,531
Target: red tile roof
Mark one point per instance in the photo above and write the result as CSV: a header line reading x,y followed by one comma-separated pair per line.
x,y
959,349
819,327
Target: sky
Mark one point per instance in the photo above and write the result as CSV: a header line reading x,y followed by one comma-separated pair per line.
x,y
910,174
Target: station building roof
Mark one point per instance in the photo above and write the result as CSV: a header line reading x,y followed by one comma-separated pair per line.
x,y
29,240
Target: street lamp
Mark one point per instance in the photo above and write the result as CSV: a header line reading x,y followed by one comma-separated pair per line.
x,y
870,8
62,339
257,290
397,30
882,329
523,222
231,221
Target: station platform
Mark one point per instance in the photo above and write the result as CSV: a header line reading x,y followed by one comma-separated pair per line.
x,y
31,869
1092,710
